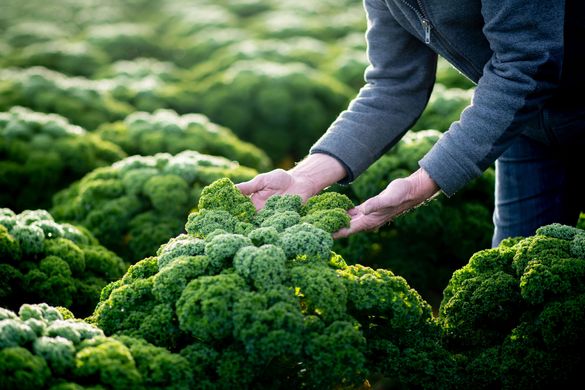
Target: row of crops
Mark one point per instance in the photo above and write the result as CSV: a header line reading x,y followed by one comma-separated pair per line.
x,y
129,260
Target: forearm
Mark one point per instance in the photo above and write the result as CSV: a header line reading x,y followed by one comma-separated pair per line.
x,y
319,171
524,71
399,81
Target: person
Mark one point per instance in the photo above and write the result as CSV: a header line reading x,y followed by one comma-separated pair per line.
x,y
527,113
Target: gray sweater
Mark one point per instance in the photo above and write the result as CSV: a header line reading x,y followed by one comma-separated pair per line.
x,y
512,49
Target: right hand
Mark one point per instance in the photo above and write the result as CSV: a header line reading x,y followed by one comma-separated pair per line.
x,y
306,179
276,182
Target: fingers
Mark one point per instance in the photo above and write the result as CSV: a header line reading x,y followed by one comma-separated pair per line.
x,y
258,203
263,186
341,233
371,205
360,222
378,210
254,189
273,180
392,198
356,225
370,215
353,212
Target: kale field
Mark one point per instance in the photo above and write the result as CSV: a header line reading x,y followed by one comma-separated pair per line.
x,y
129,260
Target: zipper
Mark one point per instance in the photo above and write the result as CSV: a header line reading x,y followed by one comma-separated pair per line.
x,y
424,21
427,27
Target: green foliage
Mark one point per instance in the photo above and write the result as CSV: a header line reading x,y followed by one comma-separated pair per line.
x,y
450,77
159,368
262,266
140,69
41,350
43,261
347,60
282,220
221,248
145,83
165,131
144,94
207,221
24,33
302,20
278,204
515,313
140,202
295,49
196,48
87,103
71,58
223,195
327,201
167,193
58,352
250,300
204,309
328,211
20,369
428,243
273,309
282,108
264,236
124,41
182,245
306,243
581,222
170,282
331,350
43,153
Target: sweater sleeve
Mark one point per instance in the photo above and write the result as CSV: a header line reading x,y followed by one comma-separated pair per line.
x,y
526,38
399,81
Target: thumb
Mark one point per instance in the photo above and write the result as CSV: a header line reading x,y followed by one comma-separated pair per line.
x,y
251,186
371,205
395,194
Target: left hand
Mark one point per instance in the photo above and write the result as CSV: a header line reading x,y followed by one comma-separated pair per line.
x,y
400,196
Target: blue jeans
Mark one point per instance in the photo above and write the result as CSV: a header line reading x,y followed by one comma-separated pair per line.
x,y
536,185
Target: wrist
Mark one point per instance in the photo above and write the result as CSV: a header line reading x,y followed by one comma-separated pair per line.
x,y
318,171
422,186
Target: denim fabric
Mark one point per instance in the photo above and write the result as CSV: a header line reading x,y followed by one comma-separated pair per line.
x,y
536,185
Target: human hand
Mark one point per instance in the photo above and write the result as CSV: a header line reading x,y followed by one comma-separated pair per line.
x,y
276,182
399,196
306,179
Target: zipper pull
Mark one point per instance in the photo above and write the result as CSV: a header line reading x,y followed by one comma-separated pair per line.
x,y
427,29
